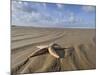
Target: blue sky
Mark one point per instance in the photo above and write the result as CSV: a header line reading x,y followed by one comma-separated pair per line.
x,y
26,13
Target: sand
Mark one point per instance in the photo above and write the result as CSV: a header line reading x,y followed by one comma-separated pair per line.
x,y
24,40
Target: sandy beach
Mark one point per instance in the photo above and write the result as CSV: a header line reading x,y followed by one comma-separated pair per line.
x,y
24,42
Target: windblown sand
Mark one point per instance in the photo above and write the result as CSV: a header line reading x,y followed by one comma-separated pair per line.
x,y
25,39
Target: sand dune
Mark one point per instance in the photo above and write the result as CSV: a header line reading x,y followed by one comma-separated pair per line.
x,y
81,56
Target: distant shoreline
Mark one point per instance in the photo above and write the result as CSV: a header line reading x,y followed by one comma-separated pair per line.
x,y
53,27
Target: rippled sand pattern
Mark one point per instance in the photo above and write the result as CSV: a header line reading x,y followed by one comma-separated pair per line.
x,y
24,40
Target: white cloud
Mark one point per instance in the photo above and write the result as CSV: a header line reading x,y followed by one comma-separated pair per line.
x,y
42,17
88,8
59,6
71,18
20,2
25,3
44,5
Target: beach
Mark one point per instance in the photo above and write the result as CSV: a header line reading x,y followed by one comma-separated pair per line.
x,y
24,42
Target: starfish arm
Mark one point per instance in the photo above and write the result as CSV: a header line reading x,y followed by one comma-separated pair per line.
x,y
53,52
39,52
42,46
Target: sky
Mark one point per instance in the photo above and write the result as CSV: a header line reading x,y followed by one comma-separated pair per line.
x,y
41,14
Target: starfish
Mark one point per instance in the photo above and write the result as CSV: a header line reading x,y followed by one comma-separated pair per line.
x,y
51,49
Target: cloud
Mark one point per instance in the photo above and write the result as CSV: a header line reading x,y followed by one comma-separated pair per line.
x,y
21,14
71,18
60,6
28,13
88,8
44,5
24,13
41,14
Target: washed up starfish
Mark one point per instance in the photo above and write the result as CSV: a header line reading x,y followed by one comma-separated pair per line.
x,y
51,49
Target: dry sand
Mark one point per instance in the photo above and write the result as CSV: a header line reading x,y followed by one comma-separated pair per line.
x,y
25,39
